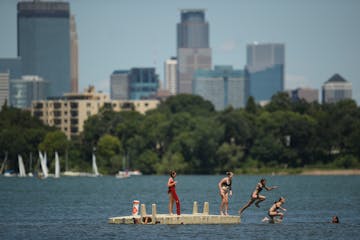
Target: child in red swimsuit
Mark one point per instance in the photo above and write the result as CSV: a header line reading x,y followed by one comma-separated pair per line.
x,y
172,194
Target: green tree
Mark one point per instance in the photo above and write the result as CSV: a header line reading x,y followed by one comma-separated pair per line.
x,y
109,154
54,142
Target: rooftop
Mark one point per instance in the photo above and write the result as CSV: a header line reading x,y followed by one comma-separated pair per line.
x,y
336,78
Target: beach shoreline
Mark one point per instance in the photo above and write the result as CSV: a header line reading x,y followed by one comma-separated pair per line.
x,y
322,172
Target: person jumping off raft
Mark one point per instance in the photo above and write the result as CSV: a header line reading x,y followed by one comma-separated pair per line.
x,y
173,197
225,191
256,195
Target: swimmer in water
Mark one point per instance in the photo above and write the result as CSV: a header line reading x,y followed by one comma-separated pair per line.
x,y
274,209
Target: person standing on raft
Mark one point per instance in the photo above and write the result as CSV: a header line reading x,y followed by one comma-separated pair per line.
x,y
225,191
173,197
255,196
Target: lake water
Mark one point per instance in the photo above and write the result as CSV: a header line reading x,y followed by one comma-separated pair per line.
x,y
79,207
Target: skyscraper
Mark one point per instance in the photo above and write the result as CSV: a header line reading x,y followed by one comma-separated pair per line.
x,y
265,70
222,86
44,43
307,94
27,89
4,88
336,89
170,75
143,83
119,85
74,56
193,50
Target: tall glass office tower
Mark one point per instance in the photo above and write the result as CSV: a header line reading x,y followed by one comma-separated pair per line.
x,y
223,86
265,70
193,50
143,83
44,43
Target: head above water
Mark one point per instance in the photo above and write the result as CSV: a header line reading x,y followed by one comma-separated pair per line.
x,y
335,219
172,173
263,180
281,199
229,174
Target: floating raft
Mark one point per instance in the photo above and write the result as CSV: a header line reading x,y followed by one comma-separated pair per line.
x,y
194,218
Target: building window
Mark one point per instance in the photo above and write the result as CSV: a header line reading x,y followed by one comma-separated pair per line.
x,y
74,121
38,114
57,105
74,105
74,114
38,105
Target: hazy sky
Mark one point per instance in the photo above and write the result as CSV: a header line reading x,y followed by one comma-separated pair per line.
x,y
321,37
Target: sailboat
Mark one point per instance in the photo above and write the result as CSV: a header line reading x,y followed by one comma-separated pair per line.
x,y
57,165
94,166
22,172
43,161
124,173
2,168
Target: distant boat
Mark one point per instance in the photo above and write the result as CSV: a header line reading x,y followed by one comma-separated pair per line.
x,y
3,164
95,171
122,174
94,166
43,162
22,172
126,173
57,165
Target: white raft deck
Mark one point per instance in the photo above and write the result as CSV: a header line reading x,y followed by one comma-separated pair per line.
x,y
194,218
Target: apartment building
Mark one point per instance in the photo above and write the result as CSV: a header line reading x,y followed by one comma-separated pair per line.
x,y
68,113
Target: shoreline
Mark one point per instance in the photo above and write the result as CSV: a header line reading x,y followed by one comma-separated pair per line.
x,y
321,172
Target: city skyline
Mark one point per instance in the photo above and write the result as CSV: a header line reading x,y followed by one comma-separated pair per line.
x,y
321,38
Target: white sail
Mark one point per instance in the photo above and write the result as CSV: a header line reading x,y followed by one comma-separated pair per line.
x,y
94,166
43,165
57,165
22,172
45,161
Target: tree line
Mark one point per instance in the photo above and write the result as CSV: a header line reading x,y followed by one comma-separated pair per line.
x,y
187,134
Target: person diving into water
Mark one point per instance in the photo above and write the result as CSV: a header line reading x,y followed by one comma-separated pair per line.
x,y
255,196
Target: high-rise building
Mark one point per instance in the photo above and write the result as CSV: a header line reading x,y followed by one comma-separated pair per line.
x,y
170,83
4,88
27,89
143,83
44,42
265,70
119,85
13,66
74,54
222,86
307,94
193,50
336,89
134,84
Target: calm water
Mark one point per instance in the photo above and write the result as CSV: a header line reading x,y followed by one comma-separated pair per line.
x,y
78,207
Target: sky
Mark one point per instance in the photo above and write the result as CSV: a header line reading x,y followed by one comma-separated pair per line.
x,y
321,37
